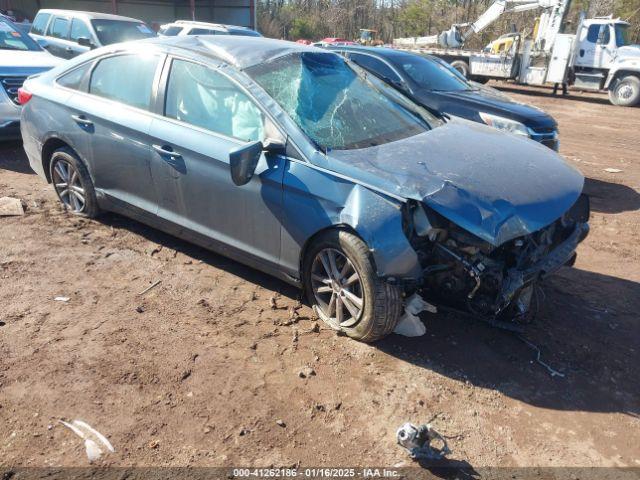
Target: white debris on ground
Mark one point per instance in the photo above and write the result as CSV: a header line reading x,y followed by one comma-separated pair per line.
x,y
61,299
409,324
10,206
612,170
95,443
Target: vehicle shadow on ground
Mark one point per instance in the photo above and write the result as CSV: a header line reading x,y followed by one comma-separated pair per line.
x,y
588,329
201,254
13,157
548,92
608,197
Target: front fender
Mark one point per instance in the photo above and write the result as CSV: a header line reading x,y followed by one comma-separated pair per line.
x,y
315,199
378,221
621,68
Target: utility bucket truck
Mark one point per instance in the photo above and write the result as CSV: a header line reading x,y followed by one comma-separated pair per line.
x,y
598,56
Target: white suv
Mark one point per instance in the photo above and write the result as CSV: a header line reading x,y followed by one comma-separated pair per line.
x,y
187,27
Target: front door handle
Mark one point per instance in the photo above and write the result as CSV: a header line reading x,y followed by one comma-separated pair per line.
x,y
82,120
166,150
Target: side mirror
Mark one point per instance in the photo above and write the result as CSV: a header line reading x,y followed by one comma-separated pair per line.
x,y
85,42
243,162
43,43
273,146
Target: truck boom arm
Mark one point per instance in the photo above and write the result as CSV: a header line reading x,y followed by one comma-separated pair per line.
x,y
500,7
456,37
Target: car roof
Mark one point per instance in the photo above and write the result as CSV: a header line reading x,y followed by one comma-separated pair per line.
x,y
239,51
87,15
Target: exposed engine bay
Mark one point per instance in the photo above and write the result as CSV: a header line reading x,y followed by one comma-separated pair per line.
x,y
495,284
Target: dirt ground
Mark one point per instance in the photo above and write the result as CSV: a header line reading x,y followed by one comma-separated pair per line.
x,y
198,370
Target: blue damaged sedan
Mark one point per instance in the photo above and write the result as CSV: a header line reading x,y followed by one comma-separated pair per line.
x,y
293,160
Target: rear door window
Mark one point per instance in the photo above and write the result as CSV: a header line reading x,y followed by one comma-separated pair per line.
x,y
79,29
205,98
375,65
112,79
205,31
40,23
59,28
171,31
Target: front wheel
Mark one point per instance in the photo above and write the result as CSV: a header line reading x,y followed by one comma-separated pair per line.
x,y
625,92
344,289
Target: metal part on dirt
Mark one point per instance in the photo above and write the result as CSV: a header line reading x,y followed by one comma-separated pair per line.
x,y
417,441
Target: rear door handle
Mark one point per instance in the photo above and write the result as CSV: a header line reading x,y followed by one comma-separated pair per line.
x,y
82,120
166,150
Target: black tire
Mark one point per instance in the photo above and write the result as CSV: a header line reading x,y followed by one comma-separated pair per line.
x,y
625,92
462,67
67,157
382,302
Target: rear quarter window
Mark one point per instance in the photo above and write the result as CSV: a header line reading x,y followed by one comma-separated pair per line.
x,y
40,23
75,79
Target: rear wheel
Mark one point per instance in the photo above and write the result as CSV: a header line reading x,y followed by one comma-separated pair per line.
x,y
345,291
626,91
72,183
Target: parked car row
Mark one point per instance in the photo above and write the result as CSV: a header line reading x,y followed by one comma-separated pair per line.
x,y
186,27
301,163
58,35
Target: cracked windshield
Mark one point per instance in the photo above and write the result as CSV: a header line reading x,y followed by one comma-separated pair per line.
x,y
337,108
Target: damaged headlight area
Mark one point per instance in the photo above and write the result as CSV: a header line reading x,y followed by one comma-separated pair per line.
x,y
464,272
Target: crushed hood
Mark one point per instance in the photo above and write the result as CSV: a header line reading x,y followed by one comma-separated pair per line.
x,y
495,185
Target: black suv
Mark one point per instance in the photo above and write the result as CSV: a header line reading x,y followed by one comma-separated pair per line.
x,y
437,86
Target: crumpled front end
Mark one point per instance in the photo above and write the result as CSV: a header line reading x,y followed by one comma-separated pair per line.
x,y
495,283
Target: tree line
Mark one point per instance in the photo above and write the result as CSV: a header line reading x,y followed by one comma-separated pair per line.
x,y
317,19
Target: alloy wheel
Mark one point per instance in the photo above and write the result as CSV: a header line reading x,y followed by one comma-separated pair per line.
x,y
66,181
337,287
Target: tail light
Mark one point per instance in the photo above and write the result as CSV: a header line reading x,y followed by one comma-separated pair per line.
x,y
24,96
